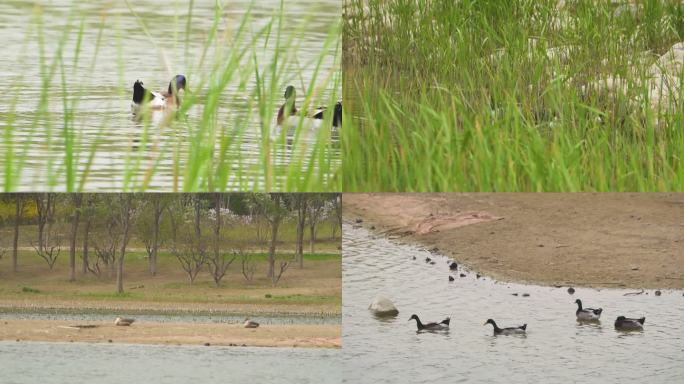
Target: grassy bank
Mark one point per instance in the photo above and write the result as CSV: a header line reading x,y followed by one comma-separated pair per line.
x,y
491,96
314,289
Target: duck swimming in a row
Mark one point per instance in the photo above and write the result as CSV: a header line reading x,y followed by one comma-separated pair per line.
x,y
589,314
441,326
144,98
506,331
626,324
290,117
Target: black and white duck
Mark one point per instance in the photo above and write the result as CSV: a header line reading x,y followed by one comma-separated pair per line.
x,y
146,99
441,326
506,331
627,324
289,116
589,314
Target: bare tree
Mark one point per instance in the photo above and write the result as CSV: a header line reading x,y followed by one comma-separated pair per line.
x,y
45,208
219,261
88,218
124,222
49,241
77,199
316,204
148,226
248,266
301,206
19,205
273,209
191,249
50,250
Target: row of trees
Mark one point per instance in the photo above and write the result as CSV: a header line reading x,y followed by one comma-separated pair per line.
x,y
193,227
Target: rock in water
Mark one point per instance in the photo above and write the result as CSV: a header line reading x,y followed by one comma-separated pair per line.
x,y
382,306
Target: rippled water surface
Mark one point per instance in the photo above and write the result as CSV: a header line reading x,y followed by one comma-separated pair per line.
x,y
555,349
111,150
31,362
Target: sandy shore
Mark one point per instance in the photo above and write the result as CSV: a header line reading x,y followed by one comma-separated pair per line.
x,y
313,336
599,240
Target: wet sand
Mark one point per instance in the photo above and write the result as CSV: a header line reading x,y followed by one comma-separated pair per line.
x,y
579,239
311,336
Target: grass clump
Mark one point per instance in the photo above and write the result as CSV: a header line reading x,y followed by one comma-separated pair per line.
x,y
510,96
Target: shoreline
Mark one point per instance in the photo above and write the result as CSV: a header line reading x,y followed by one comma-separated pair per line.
x,y
294,336
600,240
167,308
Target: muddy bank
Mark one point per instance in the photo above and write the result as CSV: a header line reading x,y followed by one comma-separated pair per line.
x,y
597,240
170,307
312,336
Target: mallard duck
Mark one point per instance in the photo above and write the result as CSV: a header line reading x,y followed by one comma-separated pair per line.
x,y
587,313
626,324
506,331
123,322
441,326
251,324
289,116
157,100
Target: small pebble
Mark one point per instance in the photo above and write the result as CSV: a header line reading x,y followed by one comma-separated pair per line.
x,y
414,257
109,341
658,293
451,278
434,250
359,221
571,290
427,259
453,266
526,295
477,275
206,344
432,263
372,227
462,275
514,294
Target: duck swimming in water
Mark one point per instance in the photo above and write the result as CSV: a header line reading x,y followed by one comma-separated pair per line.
x,y
144,98
290,117
506,331
626,324
441,326
589,314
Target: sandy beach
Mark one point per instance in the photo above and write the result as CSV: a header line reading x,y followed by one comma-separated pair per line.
x,y
308,336
581,239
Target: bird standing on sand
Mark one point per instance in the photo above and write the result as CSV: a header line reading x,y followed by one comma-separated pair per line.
x,y
123,322
251,324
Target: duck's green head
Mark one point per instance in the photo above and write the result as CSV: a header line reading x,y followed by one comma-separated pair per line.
x,y
289,92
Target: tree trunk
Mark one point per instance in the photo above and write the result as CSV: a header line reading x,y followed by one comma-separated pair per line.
x,y
301,225
86,231
155,241
17,218
312,236
77,198
125,223
272,250
217,227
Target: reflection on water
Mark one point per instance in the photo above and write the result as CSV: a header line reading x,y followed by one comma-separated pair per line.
x,y
31,362
556,348
114,51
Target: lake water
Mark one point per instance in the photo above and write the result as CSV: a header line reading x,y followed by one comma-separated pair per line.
x,y
32,362
102,79
556,348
